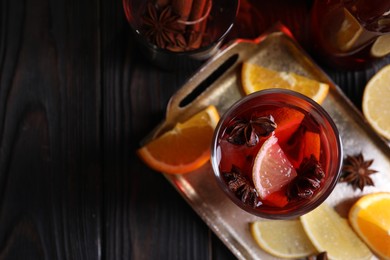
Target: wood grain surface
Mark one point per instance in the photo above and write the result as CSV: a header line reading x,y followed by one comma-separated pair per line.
x,y
76,97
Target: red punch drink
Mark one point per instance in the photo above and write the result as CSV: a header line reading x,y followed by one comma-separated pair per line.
x,y
350,34
277,154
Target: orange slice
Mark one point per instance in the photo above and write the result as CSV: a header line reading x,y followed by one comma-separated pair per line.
x,y
375,105
255,78
370,218
287,119
271,170
184,148
302,145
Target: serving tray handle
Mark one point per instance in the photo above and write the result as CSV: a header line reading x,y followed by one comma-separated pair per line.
x,y
205,86
196,94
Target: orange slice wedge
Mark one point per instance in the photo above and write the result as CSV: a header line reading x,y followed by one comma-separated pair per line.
x,y
370,218
184,148
255,78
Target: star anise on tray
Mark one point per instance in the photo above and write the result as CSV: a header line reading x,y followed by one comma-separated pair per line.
x,y
356,171
310,174
161,27
320,256
241,187
248,131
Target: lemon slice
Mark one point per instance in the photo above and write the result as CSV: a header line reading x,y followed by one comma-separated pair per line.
x,y
331,233
370,218
255,78
376,102
271,169
282,238
381,46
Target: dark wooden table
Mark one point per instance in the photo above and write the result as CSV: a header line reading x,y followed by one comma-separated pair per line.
x,y
76,97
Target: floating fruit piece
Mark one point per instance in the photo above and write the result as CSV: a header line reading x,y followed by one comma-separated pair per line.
x,y
287,120
255,78
370,218
276,199
229,156
331,233
271,170
375,105
302,145
347,37
381,46
282,238
184,148
312,145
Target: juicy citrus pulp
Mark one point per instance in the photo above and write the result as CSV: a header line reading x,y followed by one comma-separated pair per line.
x,y
255,78
184,148
282,238
370,218
376,99
271,169
331,233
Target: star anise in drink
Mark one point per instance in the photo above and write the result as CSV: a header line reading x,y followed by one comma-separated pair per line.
x,y
248,131
161,26
308,180
241,187
356,171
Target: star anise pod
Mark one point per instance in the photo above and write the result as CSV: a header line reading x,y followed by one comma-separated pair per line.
x,y
320,256
161,27
248,132
356,172
241,187
310,174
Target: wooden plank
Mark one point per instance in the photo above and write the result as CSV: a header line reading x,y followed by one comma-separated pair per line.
x,y
49,130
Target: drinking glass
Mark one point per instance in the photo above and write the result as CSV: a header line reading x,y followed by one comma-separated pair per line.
x,y
350,34
174,32
304,152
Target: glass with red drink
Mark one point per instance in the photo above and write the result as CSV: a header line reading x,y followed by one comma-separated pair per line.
x,y
277,154
350,34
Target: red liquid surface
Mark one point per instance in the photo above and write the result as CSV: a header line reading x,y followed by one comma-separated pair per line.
x,y
344,31
299,136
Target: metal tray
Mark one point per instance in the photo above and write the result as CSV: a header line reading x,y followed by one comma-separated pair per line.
x,y
218,82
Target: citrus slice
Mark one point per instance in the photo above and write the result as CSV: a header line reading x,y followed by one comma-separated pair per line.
x,y
282,238
370,218
329,232
375,105
305,144
287,120
255,78
381,46
271,169
184,148
347,37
